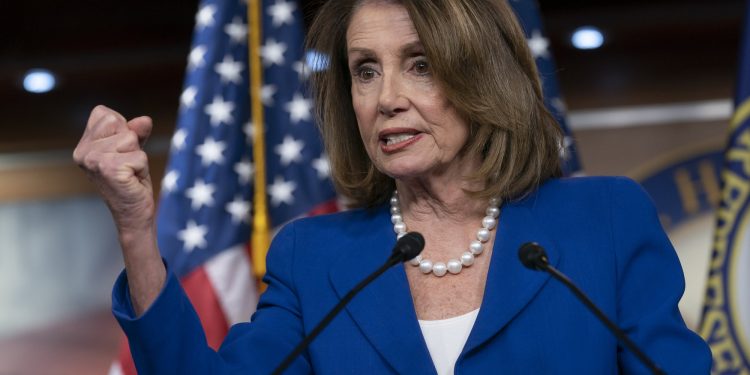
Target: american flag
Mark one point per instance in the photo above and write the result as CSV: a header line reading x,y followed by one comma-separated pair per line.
x,y
529,17
206,198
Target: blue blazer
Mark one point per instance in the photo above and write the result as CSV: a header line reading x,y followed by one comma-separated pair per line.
x,y
603,232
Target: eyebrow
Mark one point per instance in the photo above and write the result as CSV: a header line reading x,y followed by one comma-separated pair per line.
x,y
413,48
360,51
408,50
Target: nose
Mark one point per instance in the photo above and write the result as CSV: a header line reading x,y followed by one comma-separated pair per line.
x,y
393,98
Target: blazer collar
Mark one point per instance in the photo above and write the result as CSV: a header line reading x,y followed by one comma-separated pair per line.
x,y
510,286
384,310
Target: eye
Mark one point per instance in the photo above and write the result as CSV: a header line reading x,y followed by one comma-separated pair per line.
x,y
365,73
421,67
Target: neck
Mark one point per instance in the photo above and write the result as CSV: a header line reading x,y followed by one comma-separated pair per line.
x,y
424,202
447,223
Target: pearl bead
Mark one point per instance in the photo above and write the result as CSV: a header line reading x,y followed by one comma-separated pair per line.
x,y
439,269
489,222
454,266
483,235
493,211
467,259
415,261
399,227
476,247
425,266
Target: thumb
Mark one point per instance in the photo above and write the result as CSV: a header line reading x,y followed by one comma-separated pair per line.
x,y
142,127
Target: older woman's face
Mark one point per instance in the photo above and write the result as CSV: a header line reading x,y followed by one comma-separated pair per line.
x,y
408,127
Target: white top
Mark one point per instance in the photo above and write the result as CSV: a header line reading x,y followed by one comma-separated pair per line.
x,y
446,339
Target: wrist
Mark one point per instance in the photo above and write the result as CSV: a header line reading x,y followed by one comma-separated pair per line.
x,y
137,238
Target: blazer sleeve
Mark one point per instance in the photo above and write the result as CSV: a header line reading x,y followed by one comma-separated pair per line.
x,y
650,283
169,339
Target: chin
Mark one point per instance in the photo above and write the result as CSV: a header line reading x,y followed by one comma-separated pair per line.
x,y
405,171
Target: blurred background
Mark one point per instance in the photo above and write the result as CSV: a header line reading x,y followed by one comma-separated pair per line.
x,y
652,102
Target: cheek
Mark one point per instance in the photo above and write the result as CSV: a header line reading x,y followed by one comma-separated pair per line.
x,y
364,115
362,103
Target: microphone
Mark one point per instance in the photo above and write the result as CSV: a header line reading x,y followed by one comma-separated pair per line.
x,y
533,257
406,248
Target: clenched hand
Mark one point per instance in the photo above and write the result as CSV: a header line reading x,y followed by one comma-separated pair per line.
x,y
110,152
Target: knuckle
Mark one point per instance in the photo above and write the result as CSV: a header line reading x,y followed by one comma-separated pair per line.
x,y
98,112
127,141
131,139
102,115
91,162
77,155
141,156
111,119
108,119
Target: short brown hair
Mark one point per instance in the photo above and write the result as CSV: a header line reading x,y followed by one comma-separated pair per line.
x,y
478,53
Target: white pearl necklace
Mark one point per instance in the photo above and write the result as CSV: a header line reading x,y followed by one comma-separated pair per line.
x,y
453,266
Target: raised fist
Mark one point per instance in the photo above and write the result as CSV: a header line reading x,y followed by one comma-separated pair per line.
x,y
110,151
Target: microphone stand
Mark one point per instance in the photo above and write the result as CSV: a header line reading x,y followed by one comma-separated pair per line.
x,y
406,248
331,314
534,257
603,318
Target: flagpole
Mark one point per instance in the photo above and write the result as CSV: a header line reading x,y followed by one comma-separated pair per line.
x,y
260,231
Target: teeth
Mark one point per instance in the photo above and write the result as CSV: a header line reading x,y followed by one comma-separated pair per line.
x,y
398,138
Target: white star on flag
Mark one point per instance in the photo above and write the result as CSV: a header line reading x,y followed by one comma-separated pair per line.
x,y
220,111
322,166
169,182
239,209
196,58
244,170
237,31
299,108
290,150
187,99
538,44
273,52
230,70
281,12
205,17
178,139
211,151
303,71
266,94
205,209
193,236
201,194
281,191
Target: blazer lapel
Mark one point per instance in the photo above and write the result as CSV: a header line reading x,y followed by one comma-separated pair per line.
x,y
510,286
384,310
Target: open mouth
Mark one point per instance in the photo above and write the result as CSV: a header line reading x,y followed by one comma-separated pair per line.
x,y
393,140
397,138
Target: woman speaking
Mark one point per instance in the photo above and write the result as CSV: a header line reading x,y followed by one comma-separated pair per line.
x,y
432,116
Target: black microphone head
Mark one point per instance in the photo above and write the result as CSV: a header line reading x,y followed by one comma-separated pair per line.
x,y
409,246
533,256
